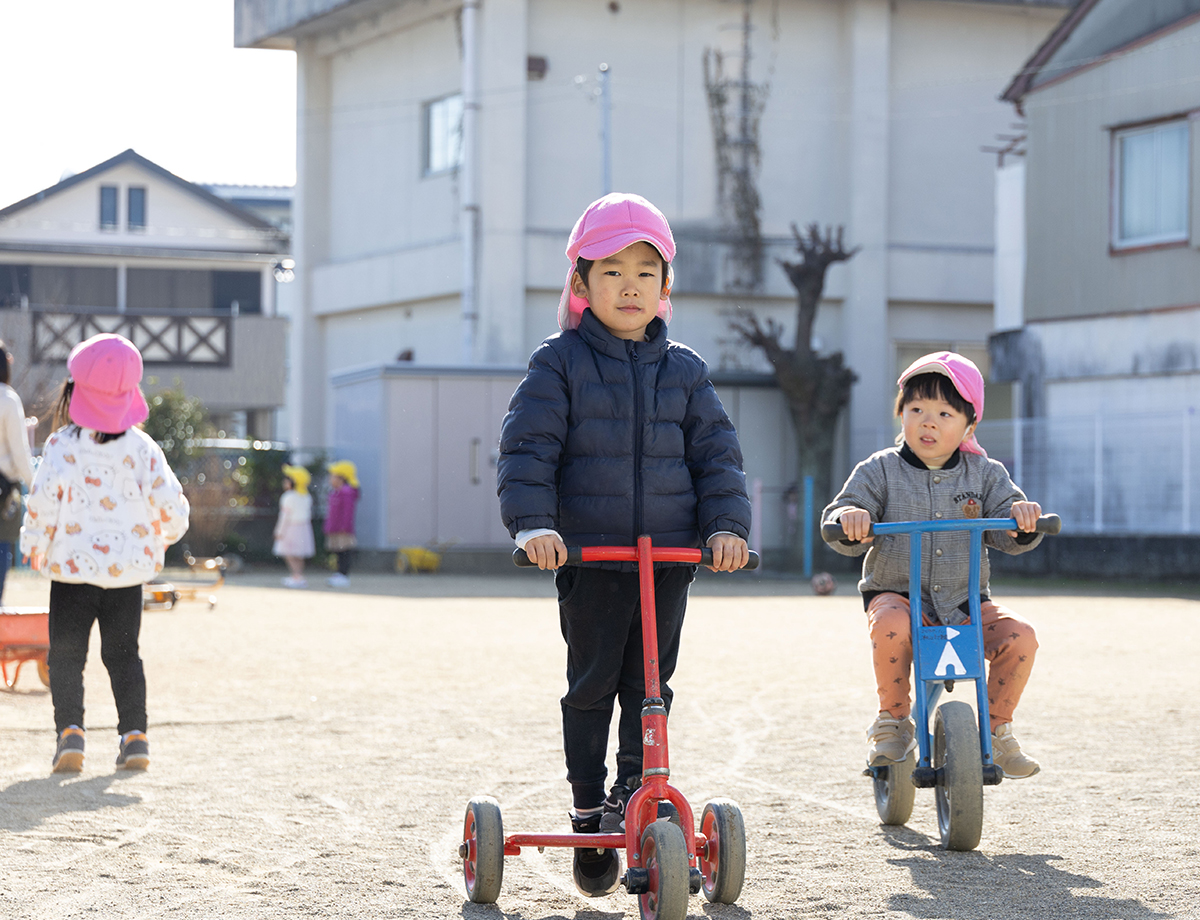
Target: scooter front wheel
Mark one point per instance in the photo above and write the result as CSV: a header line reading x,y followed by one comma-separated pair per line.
x,y
665,858
483,850
959,793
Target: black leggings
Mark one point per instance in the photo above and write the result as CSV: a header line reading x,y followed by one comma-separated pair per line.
x,y
344,559
73,608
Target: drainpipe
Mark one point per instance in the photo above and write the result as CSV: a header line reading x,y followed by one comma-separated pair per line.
x,y
469,177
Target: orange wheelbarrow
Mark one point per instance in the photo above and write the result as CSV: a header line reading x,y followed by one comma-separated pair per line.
x,y
24,636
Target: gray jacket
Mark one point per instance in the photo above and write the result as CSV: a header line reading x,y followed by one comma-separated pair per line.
x,y
895,486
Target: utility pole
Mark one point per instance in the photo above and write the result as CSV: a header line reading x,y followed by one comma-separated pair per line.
x,y
469,178
605,129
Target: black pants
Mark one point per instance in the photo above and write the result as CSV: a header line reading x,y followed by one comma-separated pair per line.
x,y
73,608
344,558
600,615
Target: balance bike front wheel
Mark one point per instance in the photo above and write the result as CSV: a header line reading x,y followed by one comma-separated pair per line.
x,y
665,858
482,850
723,860
960,791
895,792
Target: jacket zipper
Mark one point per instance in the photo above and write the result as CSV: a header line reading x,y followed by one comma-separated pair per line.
x,y
638,523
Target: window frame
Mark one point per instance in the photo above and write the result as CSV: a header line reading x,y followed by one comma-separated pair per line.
x,y
129,224
115,223
427,136
1117,243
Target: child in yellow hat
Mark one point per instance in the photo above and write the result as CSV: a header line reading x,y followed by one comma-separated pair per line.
x,y
293,531
339,522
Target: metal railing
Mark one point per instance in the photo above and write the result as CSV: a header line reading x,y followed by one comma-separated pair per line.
x,y
162,339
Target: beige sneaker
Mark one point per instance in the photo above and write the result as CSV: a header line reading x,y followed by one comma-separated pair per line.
x,y
1008,756
889,740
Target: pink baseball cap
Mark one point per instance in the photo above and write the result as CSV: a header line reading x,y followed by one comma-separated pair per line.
x,y
966,379
609,225
107,369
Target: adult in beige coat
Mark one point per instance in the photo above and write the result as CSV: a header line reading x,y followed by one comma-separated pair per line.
x,y
15,462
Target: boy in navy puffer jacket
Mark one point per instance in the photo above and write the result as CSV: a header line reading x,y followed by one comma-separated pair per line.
x,y
616,432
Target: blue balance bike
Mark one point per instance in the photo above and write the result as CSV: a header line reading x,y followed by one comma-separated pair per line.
x,y
955,758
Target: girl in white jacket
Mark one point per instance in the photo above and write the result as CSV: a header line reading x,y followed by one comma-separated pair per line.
x,y
102,509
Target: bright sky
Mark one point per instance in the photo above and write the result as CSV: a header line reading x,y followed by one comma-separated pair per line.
x,y
83,80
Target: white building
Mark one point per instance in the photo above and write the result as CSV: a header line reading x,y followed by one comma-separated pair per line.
x,y
129,247
1108,359
875,115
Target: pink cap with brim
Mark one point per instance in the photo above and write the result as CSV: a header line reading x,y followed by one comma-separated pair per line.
x,y
106,369
966,379
609,225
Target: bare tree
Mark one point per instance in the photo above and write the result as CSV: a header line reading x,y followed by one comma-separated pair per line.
x,y
816,387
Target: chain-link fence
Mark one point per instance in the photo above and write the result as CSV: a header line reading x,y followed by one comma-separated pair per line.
x,y
1103,474
234,488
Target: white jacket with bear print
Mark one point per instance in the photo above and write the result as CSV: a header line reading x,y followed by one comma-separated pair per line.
x,y
103,513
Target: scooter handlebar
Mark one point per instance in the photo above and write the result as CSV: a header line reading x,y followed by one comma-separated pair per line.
x,y
575,557
832,532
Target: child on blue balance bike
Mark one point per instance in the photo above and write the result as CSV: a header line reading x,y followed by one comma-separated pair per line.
x,y
937,471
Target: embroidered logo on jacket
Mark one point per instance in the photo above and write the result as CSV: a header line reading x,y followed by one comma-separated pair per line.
x,y
971,504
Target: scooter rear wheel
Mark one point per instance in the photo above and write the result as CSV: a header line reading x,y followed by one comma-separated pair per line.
x,y
723,862
895,793
665,858
483,850
960,793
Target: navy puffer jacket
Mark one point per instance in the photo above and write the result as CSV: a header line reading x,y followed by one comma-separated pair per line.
x,y
606,439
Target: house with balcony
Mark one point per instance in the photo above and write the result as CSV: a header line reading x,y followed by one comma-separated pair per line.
x,y
1106,362
445,148
187,275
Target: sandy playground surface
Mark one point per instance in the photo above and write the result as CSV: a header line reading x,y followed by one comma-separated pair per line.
x,y
313,753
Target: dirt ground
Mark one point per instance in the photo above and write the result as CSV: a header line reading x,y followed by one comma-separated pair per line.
x,y
313,753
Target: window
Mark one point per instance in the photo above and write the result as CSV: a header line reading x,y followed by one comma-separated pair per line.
x,y
108,207
443,134
1151,194
241,288
136,213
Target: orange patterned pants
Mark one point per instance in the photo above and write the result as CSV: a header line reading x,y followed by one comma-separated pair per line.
x,y
1009,645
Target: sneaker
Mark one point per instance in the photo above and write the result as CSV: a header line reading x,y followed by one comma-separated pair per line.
x,y
134,753
597,872
890,740
290,582
338,580
68,756
1008,756
612,820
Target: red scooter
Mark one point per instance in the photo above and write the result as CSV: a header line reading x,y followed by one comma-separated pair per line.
x,y
667,861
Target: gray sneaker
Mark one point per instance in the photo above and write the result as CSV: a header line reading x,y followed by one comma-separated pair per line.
x,y
68,756
1008,756
890,740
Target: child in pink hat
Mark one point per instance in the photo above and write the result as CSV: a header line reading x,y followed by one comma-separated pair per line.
x,y
937,470
102,508
616,431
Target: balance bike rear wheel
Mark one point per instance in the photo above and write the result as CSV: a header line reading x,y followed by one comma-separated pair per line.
x,y
960,793
895,793
665,857
482,850
723,862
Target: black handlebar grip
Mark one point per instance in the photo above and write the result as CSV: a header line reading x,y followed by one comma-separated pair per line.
x,y
575,556
832,532
1049,523
706,556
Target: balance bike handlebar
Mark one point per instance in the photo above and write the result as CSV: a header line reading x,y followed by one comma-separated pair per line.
x,y
1048,524
578,554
